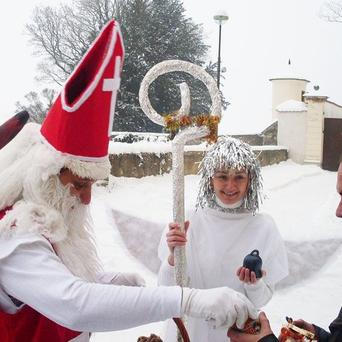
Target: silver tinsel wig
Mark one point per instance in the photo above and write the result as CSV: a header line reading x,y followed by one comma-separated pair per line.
x,y
230,153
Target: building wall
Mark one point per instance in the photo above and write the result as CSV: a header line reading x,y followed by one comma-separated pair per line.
x,y
314,131
286,89
292,134
332,110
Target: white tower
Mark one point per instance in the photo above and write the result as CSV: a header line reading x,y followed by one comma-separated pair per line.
x,y
289,86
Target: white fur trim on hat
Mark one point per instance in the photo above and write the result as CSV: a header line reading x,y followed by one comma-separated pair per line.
x,y
84,167
89,169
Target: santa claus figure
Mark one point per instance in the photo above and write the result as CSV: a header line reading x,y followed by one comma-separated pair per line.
x,y
52,285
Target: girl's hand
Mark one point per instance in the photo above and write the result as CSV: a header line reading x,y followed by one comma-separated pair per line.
x,y
175,238
247,276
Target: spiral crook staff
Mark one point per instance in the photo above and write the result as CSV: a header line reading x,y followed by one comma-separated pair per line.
x,y
189,133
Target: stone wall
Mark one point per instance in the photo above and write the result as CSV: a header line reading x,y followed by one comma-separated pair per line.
x,y
269,134
250,139
150,164
267,137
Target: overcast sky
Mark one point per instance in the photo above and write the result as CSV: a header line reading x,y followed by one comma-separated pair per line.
x,y
257,41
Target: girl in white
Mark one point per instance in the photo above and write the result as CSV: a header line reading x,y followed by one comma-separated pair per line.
x,y
223,229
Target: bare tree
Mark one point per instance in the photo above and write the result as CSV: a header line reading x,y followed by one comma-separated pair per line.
x,y
153,31
62,35
38,104
332,11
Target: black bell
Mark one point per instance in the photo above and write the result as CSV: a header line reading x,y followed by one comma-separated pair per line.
x,y
253,262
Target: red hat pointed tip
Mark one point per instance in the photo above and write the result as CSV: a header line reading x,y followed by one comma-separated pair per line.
x,y
80,121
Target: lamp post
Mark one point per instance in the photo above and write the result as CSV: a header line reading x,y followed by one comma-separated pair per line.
x,y
220,19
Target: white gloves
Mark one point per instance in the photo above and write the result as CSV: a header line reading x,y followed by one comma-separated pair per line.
x,y
221,306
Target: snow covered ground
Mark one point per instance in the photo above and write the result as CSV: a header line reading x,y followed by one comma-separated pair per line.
x,y
130,214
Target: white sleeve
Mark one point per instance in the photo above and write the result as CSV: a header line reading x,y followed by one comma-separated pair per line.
x,y
106,277
166,271
166,274
259,293
32,273
163,249
274,254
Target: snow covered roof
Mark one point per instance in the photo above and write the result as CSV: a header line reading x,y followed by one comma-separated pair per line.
x,y
292,106
331,101
315,91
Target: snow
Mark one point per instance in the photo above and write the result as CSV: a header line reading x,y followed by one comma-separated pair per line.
x,y
269,148
317,94
292,106
130,214
147,147
164,147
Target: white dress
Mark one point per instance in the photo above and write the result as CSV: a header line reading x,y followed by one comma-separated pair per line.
x,y
217,244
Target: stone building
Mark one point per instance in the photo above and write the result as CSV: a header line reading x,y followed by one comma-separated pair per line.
x,y
308,123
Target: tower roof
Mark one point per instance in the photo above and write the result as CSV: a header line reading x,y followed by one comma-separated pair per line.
x,y
289,72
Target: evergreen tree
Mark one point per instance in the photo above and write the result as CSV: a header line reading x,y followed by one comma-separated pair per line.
x,y
153,31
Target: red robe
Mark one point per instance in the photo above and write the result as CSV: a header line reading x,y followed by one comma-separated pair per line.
x,y
28,325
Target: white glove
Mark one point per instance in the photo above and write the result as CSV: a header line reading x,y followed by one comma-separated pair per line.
x,y
128,279
221,307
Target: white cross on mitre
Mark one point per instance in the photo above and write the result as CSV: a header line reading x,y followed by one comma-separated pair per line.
x,y
113,84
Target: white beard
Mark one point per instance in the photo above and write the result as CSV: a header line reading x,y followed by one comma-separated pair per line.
x,y
77,251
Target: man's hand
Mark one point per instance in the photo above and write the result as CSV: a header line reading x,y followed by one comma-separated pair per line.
x,y
221,307
304,325
237,336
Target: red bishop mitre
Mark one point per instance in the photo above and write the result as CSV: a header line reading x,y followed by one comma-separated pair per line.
x,y
80,121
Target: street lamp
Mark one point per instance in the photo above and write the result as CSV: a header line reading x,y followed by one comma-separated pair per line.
x,y
220,18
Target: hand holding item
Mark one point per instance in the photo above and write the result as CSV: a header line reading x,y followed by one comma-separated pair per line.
x,y
297,331
247,276
300,323
251,270
175,238
222,307
253,262
238,335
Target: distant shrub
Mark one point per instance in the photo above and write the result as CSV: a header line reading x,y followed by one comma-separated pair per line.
x,y
132,137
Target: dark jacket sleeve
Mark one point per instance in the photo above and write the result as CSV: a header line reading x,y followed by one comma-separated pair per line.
x,y
321,334
335,328
268,338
